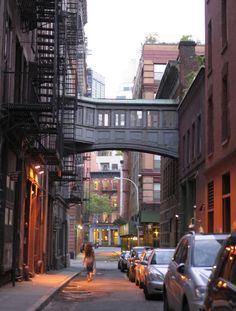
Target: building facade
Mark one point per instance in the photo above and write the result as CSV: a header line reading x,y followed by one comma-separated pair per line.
x,y
220,115
178,203
143,168
104,169
38,99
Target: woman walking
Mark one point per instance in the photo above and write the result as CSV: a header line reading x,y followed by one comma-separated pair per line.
x,y
89,261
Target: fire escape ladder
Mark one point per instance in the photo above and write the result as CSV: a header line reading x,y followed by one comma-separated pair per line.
x,y
46,81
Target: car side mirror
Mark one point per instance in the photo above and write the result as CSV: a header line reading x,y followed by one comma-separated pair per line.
x,y
181,268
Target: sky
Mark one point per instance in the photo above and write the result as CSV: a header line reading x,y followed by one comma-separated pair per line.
x,y
116,30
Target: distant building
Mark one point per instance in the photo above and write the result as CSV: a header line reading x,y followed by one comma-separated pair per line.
x,y
95,84
143,168
103,169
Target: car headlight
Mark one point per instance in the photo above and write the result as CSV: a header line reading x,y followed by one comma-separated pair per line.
x,y
200,292
156,276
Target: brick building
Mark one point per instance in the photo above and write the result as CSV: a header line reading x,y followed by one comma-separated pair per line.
x,y
220,111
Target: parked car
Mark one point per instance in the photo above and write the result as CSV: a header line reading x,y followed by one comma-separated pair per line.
x,y
135,254
140,267
188,272
221,288
155,271
122,261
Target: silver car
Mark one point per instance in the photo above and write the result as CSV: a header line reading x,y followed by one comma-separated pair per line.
x,y
155,270
188,272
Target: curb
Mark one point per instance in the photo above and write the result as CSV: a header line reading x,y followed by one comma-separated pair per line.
x,y
44,300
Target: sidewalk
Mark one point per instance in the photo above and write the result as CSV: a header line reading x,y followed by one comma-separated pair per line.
x,y
34,294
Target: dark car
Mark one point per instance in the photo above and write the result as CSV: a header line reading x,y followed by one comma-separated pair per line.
x,y
134,258
221,287
122,261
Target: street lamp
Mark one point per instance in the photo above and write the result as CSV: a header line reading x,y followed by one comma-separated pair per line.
x,y
137,198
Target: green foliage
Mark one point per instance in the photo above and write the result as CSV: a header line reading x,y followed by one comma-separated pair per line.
x,y
152,38
186,38
200,59
119,152
98,204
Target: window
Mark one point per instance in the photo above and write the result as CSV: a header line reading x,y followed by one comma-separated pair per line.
x,y
153,119
96,185
209,52
114,166
210,206
199,135
193,142
119,119
104,153
156,191
105,184
210,126
89,116
136,118
226,204
114,184
169,119
79,115
158,71
225,126
103,118
184,152
188,148
224,23
114,201
104,166
157,162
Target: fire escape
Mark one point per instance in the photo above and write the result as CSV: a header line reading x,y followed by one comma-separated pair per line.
x,y
45,118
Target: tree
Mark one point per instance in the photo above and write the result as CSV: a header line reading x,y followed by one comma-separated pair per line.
x,y
152,38
98,204
186,38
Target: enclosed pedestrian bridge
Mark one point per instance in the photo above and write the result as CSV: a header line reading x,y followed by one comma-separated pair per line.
x,y
136,124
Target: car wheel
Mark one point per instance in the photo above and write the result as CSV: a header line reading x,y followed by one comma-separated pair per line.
x,y
119,265
145,291
122,268
165,302
185,306
131,277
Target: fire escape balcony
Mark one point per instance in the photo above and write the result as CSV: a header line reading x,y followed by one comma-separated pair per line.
x,y
28,14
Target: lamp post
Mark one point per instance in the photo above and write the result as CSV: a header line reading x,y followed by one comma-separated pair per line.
x,y
137,198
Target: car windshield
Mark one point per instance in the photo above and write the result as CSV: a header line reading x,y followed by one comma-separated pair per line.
x,y
162,258
205,252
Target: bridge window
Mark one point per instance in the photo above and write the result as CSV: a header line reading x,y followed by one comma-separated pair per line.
x,y
169,119
79,115
119,119
136,118
89,116
103,118
153,119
